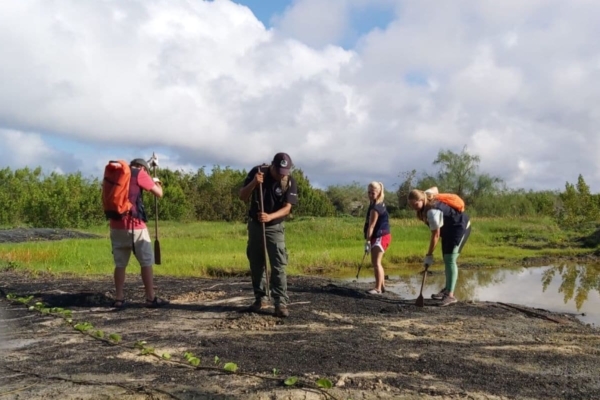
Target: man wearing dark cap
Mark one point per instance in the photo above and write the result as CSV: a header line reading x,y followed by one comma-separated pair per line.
x,y
280,193
129,234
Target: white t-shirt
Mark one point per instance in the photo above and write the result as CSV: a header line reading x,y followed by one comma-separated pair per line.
x,y
435,219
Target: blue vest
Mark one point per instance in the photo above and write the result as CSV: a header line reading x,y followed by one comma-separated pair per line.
x,y
135,197
382,226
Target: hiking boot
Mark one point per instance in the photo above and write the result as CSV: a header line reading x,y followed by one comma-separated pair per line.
x,y
258,305
448,300
440,296
281,311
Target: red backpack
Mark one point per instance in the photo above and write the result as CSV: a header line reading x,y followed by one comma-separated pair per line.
x,y
115,189
453,200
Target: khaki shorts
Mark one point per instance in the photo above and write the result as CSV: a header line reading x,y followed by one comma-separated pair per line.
x,y
121,247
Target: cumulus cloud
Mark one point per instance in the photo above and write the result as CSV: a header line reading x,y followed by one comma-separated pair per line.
x,y
20,150
208,83
317,23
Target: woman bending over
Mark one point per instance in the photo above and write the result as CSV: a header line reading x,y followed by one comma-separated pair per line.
x,y
449,225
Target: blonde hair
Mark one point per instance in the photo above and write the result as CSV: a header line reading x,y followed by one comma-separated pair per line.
x,y
381,195
427,198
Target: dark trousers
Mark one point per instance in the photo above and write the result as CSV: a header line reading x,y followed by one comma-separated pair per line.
x,y
275,236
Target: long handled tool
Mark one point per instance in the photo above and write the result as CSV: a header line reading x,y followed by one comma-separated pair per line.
x,y
361,263
420,300
262,207
157,258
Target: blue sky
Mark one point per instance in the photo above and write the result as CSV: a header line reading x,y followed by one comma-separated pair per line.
x,y
354,90
264,10
363,19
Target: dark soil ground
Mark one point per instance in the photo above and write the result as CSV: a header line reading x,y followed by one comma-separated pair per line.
x,y
32,234
369,347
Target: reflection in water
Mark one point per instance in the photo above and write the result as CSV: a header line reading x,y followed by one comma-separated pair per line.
x,y
577,281
562,288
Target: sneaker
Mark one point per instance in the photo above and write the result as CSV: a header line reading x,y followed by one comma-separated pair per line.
x,y
440,296
448,300
281,311
258,305
373,291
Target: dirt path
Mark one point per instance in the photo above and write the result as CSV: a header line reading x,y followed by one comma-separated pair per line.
x,y
368,347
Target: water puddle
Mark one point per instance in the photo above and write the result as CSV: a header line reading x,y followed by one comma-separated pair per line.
x,y
572,289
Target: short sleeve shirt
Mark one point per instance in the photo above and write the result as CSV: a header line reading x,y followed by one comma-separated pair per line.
x,y
274,196
435,219
145,182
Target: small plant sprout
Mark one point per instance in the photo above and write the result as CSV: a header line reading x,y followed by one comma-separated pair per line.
x,y
231,367
147,350
23,300
166,356
324,383
217,360
83,326
115,337
99,334
193,360
275,371
291,381
139,344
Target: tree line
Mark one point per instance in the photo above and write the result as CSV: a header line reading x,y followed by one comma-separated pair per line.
x,y
31,198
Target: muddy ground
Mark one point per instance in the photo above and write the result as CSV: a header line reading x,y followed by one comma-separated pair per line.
x,y
369,347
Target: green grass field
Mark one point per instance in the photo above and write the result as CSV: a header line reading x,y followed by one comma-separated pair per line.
x,y
330,246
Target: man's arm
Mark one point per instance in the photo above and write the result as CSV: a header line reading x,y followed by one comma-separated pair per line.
x,y
152,185
157,189
282,212
246,191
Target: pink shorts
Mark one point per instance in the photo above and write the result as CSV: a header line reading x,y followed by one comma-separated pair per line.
x,y
382,242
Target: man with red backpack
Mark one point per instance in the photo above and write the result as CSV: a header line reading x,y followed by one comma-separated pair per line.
x,y
122,190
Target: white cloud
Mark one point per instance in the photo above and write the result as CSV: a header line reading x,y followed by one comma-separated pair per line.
x,y
21,150
207,83
315,22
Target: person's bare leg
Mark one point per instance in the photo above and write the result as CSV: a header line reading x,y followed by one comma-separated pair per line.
x,y
148,279
119,276
376,257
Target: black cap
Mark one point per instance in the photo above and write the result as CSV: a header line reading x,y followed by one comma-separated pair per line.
x,y
282,162
139,162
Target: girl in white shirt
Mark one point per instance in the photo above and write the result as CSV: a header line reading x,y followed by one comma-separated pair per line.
x,y
449,225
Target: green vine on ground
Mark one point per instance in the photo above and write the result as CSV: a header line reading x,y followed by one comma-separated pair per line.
x,y
191,361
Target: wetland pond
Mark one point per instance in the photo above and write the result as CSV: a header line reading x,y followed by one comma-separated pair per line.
x,y
562,288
